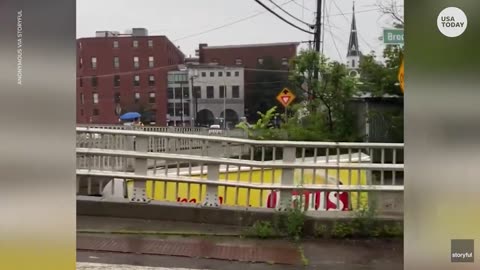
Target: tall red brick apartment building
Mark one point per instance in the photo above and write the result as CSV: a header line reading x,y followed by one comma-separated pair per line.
x,y
119,73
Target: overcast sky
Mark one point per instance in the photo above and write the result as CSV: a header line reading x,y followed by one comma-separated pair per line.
x,y
183,21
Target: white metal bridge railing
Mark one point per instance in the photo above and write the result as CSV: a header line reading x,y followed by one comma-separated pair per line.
x,y
237,133
273,174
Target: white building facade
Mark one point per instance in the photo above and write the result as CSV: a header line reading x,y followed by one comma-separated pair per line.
x,y
218,94
179,106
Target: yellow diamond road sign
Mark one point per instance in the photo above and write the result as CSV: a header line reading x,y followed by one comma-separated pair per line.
x,y
285,97
400,77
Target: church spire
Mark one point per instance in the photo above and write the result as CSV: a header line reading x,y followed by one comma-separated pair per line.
x,y
353,49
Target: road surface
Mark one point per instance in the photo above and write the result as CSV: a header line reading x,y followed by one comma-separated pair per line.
x,y
98,266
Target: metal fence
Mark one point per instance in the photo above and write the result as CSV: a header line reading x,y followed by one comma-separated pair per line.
x,y
204,170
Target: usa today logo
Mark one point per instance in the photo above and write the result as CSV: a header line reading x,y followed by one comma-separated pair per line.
x,y
452,22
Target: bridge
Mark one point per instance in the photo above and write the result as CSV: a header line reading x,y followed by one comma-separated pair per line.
x,y
188,169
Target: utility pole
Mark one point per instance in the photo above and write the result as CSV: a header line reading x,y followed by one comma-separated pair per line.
x,y
317,37
224,99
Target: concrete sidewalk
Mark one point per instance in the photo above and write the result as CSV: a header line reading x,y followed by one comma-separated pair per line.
x,y
163,239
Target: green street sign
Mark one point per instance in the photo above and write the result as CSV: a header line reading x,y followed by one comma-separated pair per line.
x,y
393,36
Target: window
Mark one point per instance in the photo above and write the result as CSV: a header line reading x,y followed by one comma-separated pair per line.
x,y
150,43
178,109
115,44
178,93
80,45
170,109
236,91
136,62
95,98
229,74
222,91
238,61
153,116
151,80
94,81
170,93
186,109
197,92
260,61
151,63
81,112
116,62
237,73
116,80
353,63
117,97
94,62
136,80
212,74
135,44
220,74
82,98
204,74
137,97
151,97
80,63
81,82
209,91
186,92
96,112
284,61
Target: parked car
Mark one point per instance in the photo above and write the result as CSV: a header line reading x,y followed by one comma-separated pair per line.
x,y
215,130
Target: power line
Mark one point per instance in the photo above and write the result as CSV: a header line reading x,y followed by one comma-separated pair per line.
x,y
280,17
129,72
251,83
356,12
344,16
149,70
323,27
303,6
288,13
336,47
227,24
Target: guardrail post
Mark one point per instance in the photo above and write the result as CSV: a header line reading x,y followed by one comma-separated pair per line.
x,y
289,156
141,168
129,146
213,174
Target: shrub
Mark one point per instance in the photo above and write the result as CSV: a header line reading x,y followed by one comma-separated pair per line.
x,y
263,229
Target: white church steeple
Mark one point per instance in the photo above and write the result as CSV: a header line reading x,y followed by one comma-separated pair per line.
x,y
353,54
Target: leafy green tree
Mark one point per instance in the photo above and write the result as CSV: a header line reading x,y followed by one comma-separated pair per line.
x,y
328,97
263,128
380,78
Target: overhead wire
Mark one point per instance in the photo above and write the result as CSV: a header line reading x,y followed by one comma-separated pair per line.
x,y
288,13
302,6
227,24
139,71
281,18
344,16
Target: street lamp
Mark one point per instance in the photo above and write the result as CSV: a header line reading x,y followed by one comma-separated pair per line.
x,y
224,98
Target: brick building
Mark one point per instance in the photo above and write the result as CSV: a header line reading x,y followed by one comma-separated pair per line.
x,y
119,73
261,87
